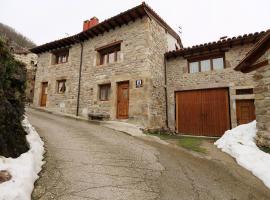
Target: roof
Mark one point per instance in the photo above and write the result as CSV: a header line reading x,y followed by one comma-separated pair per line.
x,y
255,53
123,18
217,45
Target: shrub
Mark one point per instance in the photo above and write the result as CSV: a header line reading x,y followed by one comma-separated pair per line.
x,y
12,97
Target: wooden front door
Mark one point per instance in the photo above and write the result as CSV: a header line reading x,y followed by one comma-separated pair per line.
x,y
44,93
245,111
203,112
122,100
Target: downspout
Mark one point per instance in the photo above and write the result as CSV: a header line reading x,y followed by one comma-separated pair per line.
x,y
166,92
79,84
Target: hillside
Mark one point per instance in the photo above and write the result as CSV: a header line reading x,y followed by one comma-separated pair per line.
x,y
16,38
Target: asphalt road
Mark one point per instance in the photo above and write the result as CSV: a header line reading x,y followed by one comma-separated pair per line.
x,y
87,161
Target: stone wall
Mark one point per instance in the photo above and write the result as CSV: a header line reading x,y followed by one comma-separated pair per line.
x,y
158,46
132,66
47,72
179,79
143,46
262,102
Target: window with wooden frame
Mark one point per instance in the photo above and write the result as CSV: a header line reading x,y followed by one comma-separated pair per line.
x,y
61,86
109,53
60,56
104,92
205,64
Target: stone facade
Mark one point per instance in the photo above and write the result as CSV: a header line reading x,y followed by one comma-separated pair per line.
x,y
143,45
30,60
262,101
178,79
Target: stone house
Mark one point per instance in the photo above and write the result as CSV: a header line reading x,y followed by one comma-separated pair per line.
x,y
30,61
205,95
113,69
258,60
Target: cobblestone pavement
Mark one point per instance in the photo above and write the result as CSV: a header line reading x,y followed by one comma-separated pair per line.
x,y
87,161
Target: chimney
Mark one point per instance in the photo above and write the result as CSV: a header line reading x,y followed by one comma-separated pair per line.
x,y
87,24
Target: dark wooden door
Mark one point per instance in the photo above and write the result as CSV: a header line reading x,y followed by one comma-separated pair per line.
x,y
202,112
122,100
245,111
44,93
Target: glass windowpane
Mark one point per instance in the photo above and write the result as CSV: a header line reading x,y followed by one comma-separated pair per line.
x,y
193,67
218,63
205,65
111,57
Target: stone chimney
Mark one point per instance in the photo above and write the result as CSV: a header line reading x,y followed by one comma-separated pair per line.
x,y
87,24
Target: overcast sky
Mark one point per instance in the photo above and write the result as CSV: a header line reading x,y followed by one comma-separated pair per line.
x,y
201,20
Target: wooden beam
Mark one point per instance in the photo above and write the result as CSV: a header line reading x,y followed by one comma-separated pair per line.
x,y
131,17
110,25
255,66
138,13
117,22
103,26
123,19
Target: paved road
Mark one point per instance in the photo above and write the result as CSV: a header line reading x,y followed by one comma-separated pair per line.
x,y
86,161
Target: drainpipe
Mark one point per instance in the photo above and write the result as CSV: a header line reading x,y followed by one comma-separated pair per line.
x,y
166,92
79,84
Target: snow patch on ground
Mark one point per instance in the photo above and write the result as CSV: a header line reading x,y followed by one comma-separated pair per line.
x,y
24,169
240,144
131,129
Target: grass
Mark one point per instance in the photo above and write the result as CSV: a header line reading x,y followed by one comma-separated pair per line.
x,y
190,143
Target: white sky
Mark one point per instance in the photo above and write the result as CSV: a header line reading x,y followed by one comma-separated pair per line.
x,y
201,20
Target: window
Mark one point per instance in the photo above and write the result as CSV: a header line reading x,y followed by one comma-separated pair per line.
x,y
109,54
218,63
194,67
204,65
60,56
244,91
61,86
104,92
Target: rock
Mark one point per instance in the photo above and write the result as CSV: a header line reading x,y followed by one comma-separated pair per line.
x,y
4,176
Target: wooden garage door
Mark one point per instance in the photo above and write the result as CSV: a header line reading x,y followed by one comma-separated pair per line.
x,y
203,112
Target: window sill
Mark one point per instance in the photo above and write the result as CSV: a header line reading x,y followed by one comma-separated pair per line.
x,y
211,71
108,64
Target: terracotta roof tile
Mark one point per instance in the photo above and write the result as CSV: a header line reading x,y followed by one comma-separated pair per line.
x,y
225,43
118,20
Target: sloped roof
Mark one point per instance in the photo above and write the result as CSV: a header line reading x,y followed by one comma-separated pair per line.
x,y
255,53
225,43
123,18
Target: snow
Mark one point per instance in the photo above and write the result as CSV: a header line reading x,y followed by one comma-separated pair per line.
x,y
240,144
24,169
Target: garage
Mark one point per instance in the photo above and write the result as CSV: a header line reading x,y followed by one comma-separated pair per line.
x,y
203,112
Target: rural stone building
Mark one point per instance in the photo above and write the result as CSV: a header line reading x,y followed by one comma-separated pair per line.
x,y
113,69
205,95
30,61
258,60
116,69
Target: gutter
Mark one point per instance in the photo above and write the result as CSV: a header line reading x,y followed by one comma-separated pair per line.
x,y
166,92
79,83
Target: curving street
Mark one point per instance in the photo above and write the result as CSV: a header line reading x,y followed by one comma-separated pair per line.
x,y
88,161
